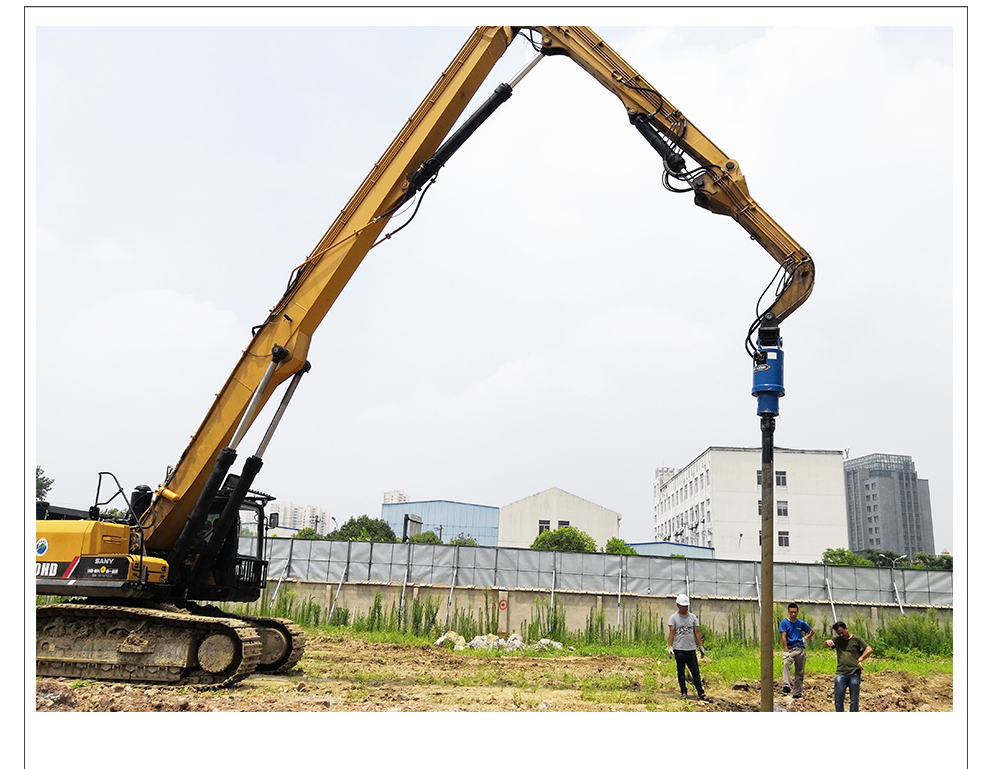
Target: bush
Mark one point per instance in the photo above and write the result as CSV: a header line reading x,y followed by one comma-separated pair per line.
x,y
617,546
568,539
425,538
915,632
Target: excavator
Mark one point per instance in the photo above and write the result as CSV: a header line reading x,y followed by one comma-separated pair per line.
x,y
137,591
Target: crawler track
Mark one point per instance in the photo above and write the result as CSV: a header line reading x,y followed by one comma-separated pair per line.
x,y
282,641
144,645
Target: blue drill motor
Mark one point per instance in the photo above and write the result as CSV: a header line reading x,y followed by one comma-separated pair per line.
x,y
768,371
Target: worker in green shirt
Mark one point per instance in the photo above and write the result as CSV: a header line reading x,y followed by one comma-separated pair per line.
x,y
851,654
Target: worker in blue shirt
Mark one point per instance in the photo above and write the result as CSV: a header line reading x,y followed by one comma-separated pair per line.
x,y
794,634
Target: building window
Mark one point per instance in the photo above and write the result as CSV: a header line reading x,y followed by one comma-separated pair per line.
x,y
563,524
543,526
783,509
780,478
783,539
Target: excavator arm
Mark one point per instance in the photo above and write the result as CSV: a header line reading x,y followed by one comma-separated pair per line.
x,y
718,183
279,347
318,281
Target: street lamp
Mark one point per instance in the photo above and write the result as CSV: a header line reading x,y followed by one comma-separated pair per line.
x,y
892,576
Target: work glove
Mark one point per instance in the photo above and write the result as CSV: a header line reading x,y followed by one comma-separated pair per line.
x,y
702,650
670,651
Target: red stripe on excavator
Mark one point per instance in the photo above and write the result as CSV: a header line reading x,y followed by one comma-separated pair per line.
x,y
69,569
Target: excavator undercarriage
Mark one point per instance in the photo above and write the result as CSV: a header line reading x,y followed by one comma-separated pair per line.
x,y
192,645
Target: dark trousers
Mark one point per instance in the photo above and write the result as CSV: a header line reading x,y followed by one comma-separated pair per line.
x,y
690,661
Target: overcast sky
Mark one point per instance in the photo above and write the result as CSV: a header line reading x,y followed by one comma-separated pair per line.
x,y
552,316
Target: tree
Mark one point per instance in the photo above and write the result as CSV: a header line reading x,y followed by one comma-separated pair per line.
x,y
568,539
841,556
943,562
365,529
42,484
306,532
426,538
881,557
617,546
464,540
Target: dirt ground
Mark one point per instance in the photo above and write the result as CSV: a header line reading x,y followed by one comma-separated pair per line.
x,y
347,674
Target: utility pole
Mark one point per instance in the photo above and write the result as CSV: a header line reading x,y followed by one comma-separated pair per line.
x,y
768,387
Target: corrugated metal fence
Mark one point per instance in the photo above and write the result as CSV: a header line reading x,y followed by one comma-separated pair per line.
x,y
328,561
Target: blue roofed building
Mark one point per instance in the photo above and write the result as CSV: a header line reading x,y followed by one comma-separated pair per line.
x,y
446,519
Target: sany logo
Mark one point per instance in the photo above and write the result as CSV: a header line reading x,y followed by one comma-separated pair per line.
x,y
41,547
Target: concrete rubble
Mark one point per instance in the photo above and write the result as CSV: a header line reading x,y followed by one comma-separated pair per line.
x,y
453,640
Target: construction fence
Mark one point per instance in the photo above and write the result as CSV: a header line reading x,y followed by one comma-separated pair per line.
x,y
637,575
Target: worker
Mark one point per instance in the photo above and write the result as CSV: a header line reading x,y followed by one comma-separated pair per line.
x,y
851,654
683,642
794,634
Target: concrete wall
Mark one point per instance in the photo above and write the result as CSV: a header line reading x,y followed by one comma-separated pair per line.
x,y
517,605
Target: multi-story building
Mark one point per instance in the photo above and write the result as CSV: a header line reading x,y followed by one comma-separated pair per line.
x,y
394,497
292,516
888,506
715,502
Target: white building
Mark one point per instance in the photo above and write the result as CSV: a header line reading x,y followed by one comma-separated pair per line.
x,y
521,522
715,502
292,516
394,497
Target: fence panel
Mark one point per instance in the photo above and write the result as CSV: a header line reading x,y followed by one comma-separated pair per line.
x,y
422,562
614,574
637,576
749,580
868,586
277,552
940,587
661,576
703,577
727,578
360,568
507,569
338,560
914,585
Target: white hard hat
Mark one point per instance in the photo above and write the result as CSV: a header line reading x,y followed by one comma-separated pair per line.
x,y
683,600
